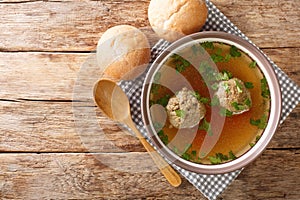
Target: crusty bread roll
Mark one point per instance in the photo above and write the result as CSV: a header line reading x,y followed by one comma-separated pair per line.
x,y
172,19
123,52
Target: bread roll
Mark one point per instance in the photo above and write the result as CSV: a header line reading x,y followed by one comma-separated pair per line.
x,y
172,19
123,52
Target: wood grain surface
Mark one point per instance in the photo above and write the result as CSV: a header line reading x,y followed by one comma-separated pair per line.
x,y
49,151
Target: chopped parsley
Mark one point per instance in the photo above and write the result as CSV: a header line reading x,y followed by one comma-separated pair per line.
x,y
207,45
186,156
157,126
227,57
203,100
157,77
163,101
260,123
219,158
180,113
175,150
180,63
248,85
205,126
215,101
197,48
252,64
226,87
214,86
225,112
234,51
224,75
197,95
256,140
217,58
239,86
222,156
265,92
164,138
155,88
207,71
214,160
247,102
194,153
231,155
238,106
187,147
203,66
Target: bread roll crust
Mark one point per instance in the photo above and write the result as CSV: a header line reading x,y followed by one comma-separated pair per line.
x,y
172,19
121,51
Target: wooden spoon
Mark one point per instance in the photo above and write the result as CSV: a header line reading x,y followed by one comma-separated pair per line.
x,y
111,99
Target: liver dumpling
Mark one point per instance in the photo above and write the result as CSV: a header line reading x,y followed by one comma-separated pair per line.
x,y
184,110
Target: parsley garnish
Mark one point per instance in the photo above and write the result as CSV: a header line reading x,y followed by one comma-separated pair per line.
x,y
238,106
186,156
265,92
234,52
203,66
225,112
197,48
247,102
224,76
260,123
231,155
157,126
214,86
164,138
239,86
204,100
215,101
207,45
252,64
197,95
219,158
155,88
151,102
256,140
157,77
215,160
227,57
248,85
205,126
217,58
164,100
199,98
180,113
180,63
194,153
226,87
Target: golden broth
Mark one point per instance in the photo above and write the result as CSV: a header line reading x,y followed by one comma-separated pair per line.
x,y
238,134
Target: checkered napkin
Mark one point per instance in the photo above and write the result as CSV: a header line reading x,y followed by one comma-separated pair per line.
x,y
209,185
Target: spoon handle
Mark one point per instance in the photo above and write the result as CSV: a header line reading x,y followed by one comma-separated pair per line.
x,y
170,174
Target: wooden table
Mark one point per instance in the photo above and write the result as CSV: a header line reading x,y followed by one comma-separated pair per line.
x,y
42,47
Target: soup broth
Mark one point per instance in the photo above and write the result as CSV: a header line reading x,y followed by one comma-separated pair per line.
x,y
239,132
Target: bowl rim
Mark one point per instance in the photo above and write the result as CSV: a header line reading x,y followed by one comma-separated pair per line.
x,y
275,99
